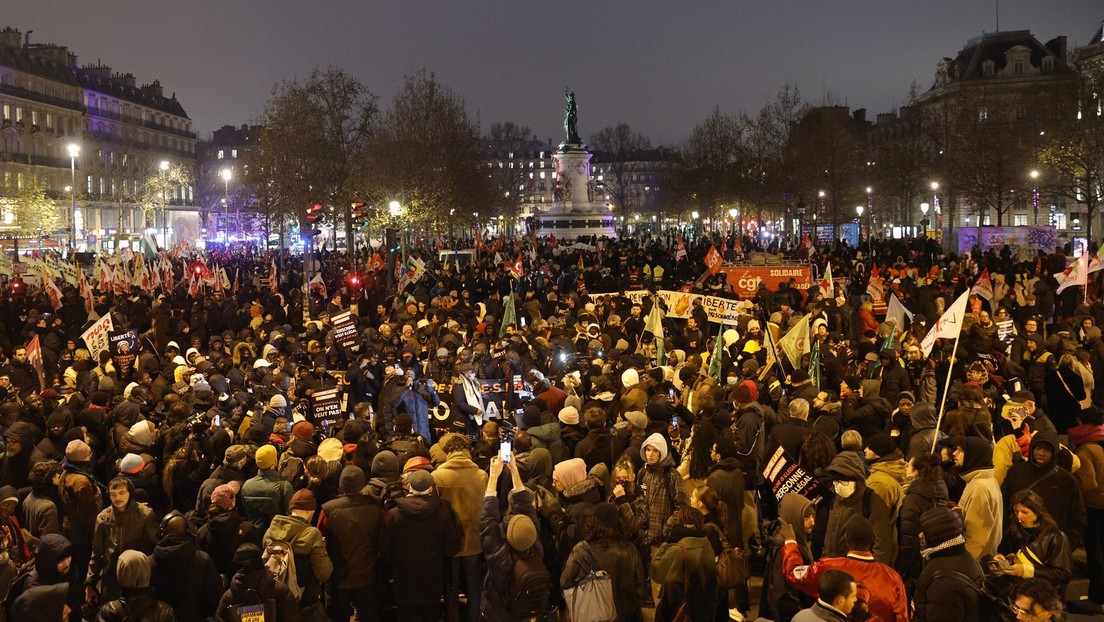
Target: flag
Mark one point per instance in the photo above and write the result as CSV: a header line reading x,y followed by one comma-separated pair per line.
x,y
509,316
680,251
440,244
724,246
949,325
376,263
814,364
1076,274
34,357
898,312
654,325
52,290
715,370
237,281
826,283
193,286
796,342
498,243
316,282
875,288
984,286
480,245
713,260
555,242
1097,262
581,266
274,277
85,290
516,268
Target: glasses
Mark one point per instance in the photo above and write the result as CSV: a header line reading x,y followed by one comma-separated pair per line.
x,y
1025,614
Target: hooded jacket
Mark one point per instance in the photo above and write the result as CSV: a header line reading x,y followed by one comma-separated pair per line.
x,y
462,483
869,414
661,490
922,420
922,495
981,501
780,600
310,553
257,586
185,578
133,527
1088,441
886,475
1058,488
848,466
418,572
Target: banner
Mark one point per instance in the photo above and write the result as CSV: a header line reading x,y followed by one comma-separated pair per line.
x,y
785,476
96,336
948,326
495,395
1024,242
344,332
745,280
681,304
123,345
713,260
326,408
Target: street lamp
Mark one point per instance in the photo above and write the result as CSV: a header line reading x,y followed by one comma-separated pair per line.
x,y
1035,193
226,175
924,221
74,151
164,214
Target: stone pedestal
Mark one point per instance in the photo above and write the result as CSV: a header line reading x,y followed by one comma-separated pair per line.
x,y
576,208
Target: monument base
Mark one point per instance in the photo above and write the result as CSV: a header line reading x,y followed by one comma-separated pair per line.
x,y
570,226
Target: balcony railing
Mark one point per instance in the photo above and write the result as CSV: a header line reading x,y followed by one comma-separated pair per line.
x,y
15,91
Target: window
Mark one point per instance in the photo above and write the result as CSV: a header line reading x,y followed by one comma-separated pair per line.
x,y
1018,67
1059,219
7,112
89,185
1019,220
234,153
983,114
988,68
1048,64
221,154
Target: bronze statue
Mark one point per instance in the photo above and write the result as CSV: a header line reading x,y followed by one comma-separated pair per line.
x,y
571,117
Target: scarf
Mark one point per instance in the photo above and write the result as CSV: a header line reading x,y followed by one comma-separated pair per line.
x,y
473,396
927,553
1024,440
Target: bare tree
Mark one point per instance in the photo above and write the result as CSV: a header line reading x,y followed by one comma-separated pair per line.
x,y
622,152
711,161
769,169
1074,156
505,143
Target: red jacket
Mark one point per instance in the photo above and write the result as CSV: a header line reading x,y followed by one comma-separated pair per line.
x,y
885,592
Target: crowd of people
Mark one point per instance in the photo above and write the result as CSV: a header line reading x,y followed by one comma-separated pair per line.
x,y
528,441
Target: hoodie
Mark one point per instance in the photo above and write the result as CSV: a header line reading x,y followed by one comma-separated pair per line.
x,y
922,419
1052,483
52,548
661,490
847,466
981,501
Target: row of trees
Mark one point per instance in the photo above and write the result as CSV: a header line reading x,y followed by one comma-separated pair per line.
x,y
328,140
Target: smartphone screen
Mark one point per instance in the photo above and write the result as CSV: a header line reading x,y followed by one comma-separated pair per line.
x,y
674,421
218,420
505,451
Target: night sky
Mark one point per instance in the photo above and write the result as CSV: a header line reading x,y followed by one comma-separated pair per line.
x,y
660,66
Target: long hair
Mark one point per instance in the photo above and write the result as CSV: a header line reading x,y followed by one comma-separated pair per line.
x,y
927,467
1032,501
701,448
712,502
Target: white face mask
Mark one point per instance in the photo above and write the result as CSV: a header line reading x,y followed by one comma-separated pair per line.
x,y
844,489
732,380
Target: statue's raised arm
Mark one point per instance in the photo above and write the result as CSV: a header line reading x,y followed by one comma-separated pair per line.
x,y
571,117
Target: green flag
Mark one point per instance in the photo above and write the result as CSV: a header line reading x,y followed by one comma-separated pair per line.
x,y
654,325
814,364
715,370
509,316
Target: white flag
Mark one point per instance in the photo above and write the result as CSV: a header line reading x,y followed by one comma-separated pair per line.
x,y
949,325
984,286
1075,274
897,312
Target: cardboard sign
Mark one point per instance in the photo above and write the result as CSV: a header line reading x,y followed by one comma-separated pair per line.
x,y
326,406
344,332
123,345
96,336
785,476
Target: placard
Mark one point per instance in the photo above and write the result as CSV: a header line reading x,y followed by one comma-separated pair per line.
x,y
785,476
326,406
96,336
745,280
123,345
344,332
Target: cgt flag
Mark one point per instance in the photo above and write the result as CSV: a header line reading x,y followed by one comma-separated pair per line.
x,y
1076,274
713,260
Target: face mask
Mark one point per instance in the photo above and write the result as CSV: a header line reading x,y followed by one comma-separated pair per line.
x,y
844,489
732,380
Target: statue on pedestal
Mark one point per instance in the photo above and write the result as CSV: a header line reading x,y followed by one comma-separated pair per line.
x,y
571,117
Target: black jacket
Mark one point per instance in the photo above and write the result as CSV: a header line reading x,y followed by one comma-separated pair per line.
x,y
947,598
258,587
1058,488
418,572
185,578
922,496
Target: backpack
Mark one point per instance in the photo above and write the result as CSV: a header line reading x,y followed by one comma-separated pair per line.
x,y
292,470
279,558
530,588
990,606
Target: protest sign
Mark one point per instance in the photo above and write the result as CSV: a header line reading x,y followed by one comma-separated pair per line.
x,y
96,336
785,476
326,407
345,332
123,345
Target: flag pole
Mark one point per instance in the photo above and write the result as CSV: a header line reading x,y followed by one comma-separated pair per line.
x,y
946,387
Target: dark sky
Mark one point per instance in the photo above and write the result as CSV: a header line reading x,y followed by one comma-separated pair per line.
x,y
658,65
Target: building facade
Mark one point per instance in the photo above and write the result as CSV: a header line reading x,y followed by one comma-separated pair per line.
x,y
123,136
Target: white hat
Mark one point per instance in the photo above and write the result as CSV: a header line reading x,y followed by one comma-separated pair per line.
x,y
129,389
259,363
172,344
179,360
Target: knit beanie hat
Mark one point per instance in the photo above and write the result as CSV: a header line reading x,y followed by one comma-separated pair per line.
x,y
521,534
573,401
277,402
630,378
637,418
248,558
133,569
78,451
331,450
881,444
352,480
265,457
530,417
569,415
131,463
303,431
742,394
420,482
142,433
303,500
606,513
225,496
939,525
570,472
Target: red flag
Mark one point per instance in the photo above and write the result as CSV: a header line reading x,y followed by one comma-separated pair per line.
x,y
724,246
376,263
516,268
498,243
85,289
713,260
680,251
218,279
440,243
555,242
34,357
480,245
237,274
274,277
581,266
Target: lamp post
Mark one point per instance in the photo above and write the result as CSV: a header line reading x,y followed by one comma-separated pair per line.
x,y
694,216
74,151
924,221
226,175
1035,193
164,213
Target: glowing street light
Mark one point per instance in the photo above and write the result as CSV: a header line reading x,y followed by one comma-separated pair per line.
x,y
395,208
74,151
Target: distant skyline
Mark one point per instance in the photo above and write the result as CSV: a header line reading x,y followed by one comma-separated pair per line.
x,y
659,66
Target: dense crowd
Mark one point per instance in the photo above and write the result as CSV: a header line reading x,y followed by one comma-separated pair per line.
x,y
523,439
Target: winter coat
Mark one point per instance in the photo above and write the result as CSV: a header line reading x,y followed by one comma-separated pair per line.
x,y
134,527
886,475
887,598
969,419
1057,487
462,483
1089,443
922,495
686,554
982,508
418,571
185,578
256,587
599,446
778,599
498,553
351,525
660,492
1065,390
848,465
947,598
40,515
1045,554
727,480
136,606
416,402
622,561
312,563
81,501
221,536
547,436
790,435
922,418
867,415
264,496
